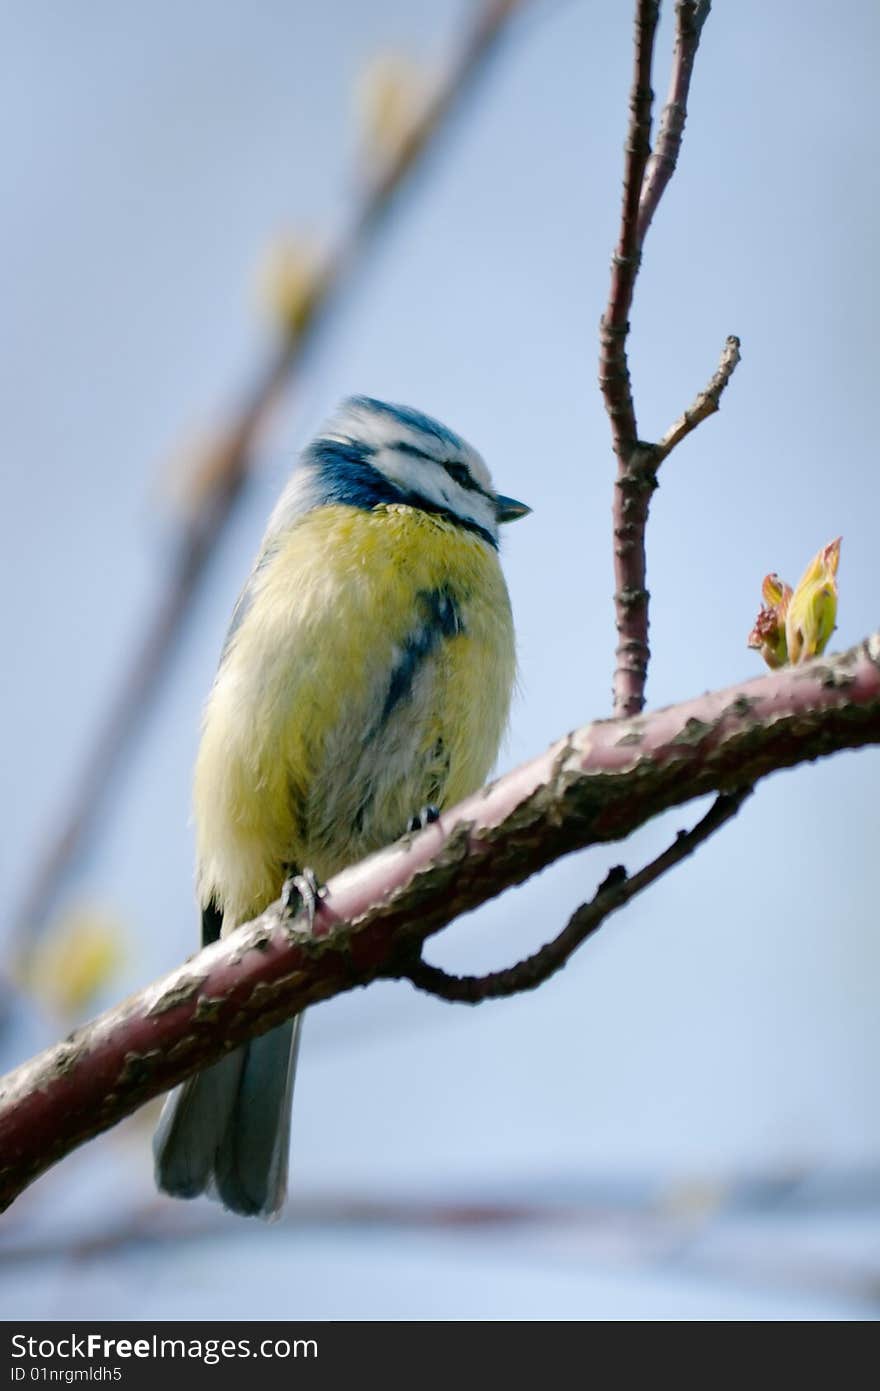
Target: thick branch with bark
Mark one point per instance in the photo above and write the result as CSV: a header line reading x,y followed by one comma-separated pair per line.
x,y
594,786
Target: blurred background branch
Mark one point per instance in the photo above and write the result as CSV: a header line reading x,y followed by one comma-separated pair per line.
x,y
740,1228
401,131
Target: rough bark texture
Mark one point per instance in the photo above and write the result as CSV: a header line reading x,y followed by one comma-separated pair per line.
x,y
595,785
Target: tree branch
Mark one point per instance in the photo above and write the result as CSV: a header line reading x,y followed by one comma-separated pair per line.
x,y
646,176
614,326
616,891
594,786
226,472
690,16
705,404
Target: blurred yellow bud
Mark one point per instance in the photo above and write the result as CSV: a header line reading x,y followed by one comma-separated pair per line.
x,y
392,95
288,278
796,624
74,962
768,634
812,613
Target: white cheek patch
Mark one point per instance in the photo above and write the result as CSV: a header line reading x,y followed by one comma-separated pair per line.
x,y
409,459
429,480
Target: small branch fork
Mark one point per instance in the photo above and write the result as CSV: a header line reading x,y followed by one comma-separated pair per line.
x,y
690,19
647,173
613,365
616,891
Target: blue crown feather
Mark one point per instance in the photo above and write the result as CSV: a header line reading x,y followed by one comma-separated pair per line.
x,y
408,417
344,474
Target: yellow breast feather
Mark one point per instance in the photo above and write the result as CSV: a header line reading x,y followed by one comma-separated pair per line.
x,y
373,676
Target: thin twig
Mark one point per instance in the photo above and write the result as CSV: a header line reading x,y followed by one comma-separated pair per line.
x,y
596,785
614,327
617,890
230,466
649,1221
705,404
690,15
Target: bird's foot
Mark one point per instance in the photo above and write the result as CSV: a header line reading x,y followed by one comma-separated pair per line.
x,y
425,817
303,891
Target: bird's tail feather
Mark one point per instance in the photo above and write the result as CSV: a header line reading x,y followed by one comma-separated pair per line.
x,y
226,1131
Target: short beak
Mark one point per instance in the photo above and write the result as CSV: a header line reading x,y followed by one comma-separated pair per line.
x,y
508,509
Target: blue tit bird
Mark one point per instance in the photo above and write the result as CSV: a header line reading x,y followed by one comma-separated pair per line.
x,y
367,674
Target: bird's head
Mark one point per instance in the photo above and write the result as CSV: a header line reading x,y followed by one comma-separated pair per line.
x,y
372,453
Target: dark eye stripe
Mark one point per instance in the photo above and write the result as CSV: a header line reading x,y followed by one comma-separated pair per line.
x,y
460,473
403,447
462,476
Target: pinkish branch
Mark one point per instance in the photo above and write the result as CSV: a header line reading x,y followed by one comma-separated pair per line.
x,y
690,17
614,327
706,404
594,786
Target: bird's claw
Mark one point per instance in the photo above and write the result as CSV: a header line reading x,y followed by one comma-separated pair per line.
x,y
302,891
426,817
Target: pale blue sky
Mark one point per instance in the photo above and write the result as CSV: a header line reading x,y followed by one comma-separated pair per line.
x,y
726,1022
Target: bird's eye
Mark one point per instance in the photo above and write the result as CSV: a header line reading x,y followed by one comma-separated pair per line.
x,y
460,473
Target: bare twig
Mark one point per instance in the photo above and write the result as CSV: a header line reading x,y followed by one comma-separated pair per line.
x,y
613,330
594,786
690,16
616,891
230,463
706,404
646,176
